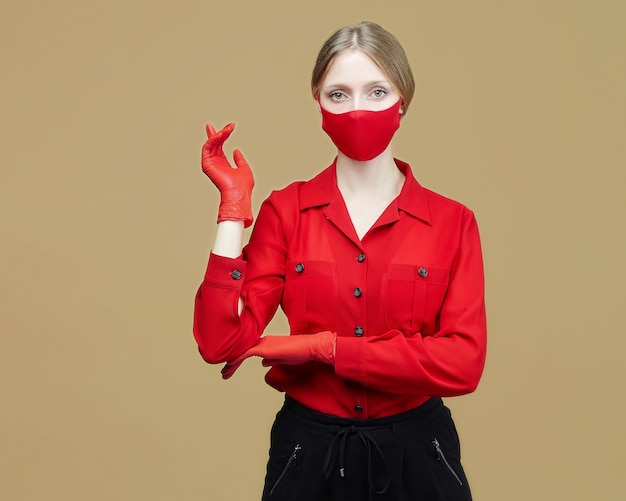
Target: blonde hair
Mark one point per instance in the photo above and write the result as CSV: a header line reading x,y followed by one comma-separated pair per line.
x,y
384,49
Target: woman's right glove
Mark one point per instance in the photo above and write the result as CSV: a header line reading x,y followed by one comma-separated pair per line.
x,y
235,184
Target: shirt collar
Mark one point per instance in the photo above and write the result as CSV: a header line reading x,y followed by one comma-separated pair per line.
x,y
322,190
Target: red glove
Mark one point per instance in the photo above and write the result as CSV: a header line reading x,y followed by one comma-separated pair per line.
x,y
288,350
235,185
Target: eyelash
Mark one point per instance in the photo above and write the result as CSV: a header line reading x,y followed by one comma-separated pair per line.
x,y
337,95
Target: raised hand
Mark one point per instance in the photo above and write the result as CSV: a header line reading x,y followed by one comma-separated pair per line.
x,y
235,184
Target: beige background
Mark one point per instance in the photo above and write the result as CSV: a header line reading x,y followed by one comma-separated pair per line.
x,y
107,222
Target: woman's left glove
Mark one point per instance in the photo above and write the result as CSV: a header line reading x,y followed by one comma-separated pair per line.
x,y
288,350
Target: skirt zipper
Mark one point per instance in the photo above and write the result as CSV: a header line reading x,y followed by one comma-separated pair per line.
x,y
441,456
291,462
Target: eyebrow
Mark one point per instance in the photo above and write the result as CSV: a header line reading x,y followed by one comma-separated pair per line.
x,y
367,84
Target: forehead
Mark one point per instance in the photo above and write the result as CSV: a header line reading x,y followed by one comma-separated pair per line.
x,y
353,66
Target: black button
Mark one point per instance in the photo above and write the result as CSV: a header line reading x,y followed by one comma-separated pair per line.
x,y
422,272
358,331
236,274
299,268
358,292
358,408
360,258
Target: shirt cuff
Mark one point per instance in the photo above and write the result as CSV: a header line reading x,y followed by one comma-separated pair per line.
x,y
225,271
350,358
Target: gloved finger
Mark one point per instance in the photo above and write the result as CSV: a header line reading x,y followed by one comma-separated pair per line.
x,y
211,132
240,161
229,369
216,139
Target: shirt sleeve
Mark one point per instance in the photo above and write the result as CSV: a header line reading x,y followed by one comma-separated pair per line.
x,y
257,277
450,362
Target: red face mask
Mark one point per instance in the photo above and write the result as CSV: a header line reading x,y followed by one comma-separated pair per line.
x,y
362,134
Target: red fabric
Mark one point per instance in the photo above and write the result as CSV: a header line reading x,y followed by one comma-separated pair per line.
x,y
421,304
362,134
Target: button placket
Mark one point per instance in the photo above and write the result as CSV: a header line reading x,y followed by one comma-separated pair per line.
x,y
359,330
358,292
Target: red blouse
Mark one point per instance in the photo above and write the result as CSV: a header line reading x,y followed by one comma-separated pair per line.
x,y
406,301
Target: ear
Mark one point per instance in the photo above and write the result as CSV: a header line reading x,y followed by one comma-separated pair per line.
x,y
402,108
316,96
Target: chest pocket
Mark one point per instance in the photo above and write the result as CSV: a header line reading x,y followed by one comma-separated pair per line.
x,y
310,295
413,297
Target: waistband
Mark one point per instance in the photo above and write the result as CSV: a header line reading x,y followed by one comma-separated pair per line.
x,y
398,422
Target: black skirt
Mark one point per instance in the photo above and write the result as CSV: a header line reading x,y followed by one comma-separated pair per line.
x,y
414,455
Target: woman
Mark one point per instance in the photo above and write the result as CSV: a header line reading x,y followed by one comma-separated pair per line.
x,y
381,281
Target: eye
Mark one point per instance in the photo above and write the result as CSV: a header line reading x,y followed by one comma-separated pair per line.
x,y
336,95
379,93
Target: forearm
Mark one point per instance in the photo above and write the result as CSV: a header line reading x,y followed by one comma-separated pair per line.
x,y
228,239
443,366
229,243
223,330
